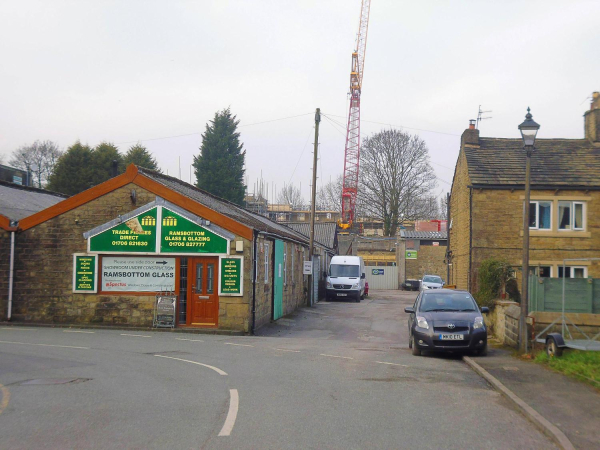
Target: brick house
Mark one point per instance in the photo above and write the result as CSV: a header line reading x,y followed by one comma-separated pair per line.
x,y
486,204
102,256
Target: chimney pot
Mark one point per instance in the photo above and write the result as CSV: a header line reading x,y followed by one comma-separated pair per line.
x,y
471,124
592,120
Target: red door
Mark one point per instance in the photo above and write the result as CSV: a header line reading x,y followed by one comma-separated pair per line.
x,y
203,306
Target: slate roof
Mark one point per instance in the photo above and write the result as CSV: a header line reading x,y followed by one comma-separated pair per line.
x,y
424,235
229,209
17,202
325,232
555,162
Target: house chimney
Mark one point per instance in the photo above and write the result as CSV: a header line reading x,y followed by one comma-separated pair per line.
x,y
592,120
471,135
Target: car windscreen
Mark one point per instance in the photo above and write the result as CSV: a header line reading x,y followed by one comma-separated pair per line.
x,y
443,301
432,279
343,270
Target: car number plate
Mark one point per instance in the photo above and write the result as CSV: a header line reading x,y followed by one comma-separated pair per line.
x,y
342,295
451,337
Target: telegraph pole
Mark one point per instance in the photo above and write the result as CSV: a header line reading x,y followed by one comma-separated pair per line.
x,y
312,207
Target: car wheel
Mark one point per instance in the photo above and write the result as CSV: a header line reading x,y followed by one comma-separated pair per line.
x,y
415,350
482,351
409,341
552,349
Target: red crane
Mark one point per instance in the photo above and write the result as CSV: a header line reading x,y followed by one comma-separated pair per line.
x,y
352,151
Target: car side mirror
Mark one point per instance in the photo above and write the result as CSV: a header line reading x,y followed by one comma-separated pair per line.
x,y
409,309
363,276
485,310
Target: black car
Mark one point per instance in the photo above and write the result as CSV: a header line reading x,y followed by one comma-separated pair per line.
x,y
446,320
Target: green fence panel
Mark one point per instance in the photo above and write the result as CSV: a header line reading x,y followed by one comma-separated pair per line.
x,y
546,295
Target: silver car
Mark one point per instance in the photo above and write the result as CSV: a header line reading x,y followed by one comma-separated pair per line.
x,y
431,282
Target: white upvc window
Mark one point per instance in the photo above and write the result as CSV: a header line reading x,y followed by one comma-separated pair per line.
x,y
293,257
572,271
540,215
571,216
285,252
266,263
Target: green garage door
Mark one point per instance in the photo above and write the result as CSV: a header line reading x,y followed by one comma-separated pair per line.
x,y
278,281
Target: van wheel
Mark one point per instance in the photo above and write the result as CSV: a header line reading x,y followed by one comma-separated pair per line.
x,y
362,297
357,298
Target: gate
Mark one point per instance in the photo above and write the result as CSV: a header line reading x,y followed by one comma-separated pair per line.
x,y
278,281
382,277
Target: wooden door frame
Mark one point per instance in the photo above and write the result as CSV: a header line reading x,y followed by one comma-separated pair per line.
x,y
192,260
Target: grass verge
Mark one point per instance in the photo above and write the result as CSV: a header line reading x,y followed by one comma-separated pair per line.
x,y
585,366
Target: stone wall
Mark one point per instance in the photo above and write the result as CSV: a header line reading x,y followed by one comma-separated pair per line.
x,y
430,260
4,271
459,234
498,224
511,325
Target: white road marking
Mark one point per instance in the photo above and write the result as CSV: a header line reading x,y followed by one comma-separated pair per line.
x,y
134,335
77,331
240,345
234,404
335,356
191,340
391,364
286,350
216,369
43,345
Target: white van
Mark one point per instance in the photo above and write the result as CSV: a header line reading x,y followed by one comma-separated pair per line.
x,y
346,278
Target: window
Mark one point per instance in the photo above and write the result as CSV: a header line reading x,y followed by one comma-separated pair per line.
x,y
329,215
293,255
540,215
572,271
571,215
266,263
542,271
301,216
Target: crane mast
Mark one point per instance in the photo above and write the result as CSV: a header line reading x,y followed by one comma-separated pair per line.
x,y
352,150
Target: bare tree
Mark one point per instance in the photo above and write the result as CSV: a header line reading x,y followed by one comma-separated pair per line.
x,y
396,178
291,195
329,196
38,158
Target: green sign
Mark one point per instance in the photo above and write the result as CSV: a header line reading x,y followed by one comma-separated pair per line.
x,y
231,276
136,235
411,254
180,235
85,269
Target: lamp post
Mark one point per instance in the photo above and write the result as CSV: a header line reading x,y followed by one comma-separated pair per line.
x,y
528,129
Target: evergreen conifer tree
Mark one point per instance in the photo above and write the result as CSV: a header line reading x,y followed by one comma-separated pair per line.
x,y
219,168
73,172
102,159
140,156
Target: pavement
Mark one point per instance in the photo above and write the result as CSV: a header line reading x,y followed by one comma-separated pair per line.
x,y
570,406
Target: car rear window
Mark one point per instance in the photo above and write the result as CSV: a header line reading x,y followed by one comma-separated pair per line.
x,y
448,302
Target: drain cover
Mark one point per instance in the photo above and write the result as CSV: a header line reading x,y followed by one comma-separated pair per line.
x,y
51,381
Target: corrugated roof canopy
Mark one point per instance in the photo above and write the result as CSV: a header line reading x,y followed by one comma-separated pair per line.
x,y
424,235
555,162
324,231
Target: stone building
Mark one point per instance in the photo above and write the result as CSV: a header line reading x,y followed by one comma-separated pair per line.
x,y
16,202
486,204
424,253
104,255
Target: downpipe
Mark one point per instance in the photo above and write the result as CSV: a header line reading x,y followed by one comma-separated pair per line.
x,y
11,275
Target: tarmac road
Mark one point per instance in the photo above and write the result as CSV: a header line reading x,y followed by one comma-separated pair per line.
x,y
338,375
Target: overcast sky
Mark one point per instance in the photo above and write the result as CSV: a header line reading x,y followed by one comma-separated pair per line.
x,y
157,71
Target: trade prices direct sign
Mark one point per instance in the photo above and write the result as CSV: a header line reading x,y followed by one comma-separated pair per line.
x,y
136,235
138,274
180,235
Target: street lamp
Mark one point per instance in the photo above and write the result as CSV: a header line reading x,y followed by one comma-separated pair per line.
x,y
528,129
